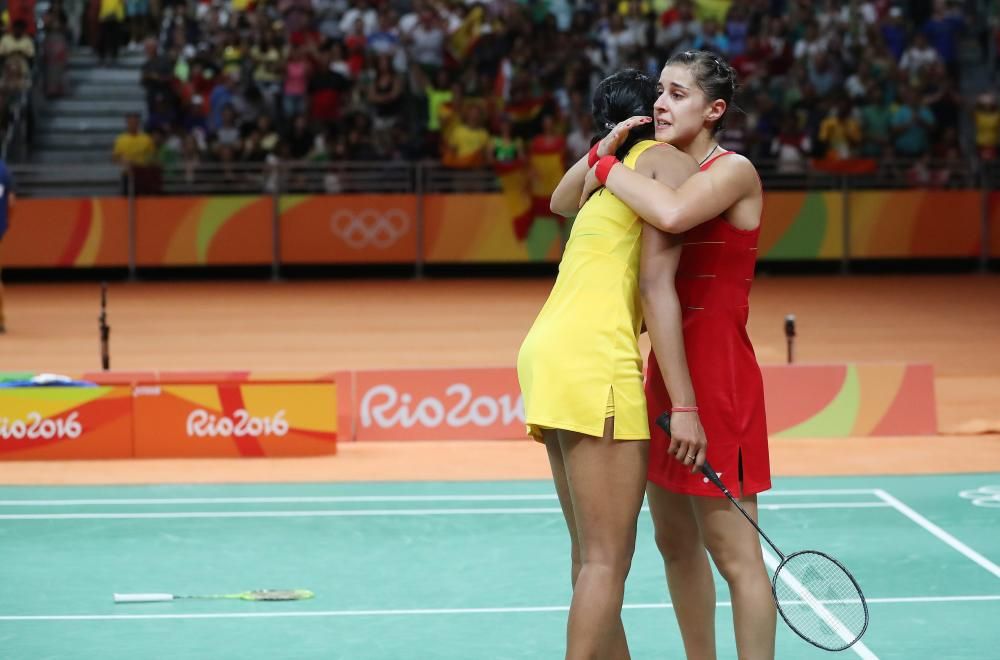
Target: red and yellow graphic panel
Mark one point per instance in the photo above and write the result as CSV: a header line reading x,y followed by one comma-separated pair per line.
x,y
204,231
320,229
488,228
802,225
916,223
67,233
56,423
849,400
235,419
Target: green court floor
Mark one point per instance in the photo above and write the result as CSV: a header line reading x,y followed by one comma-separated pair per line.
x,y
453,570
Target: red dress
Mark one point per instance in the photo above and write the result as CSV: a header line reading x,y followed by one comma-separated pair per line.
x,y
713,284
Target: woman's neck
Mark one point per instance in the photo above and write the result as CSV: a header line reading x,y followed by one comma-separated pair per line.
x,y
700,147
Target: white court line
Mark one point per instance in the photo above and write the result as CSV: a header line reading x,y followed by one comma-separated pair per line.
x,y
320,499
938,532
817,606
426,612
360,513
363,498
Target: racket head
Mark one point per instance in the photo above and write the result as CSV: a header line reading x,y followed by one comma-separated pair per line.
x,y
820,600
277,594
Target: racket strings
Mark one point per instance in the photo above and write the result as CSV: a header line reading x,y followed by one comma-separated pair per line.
x,y
820,600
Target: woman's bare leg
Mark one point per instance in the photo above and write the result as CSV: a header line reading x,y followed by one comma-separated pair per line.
x,y
565,501
735,549
606,479
689,575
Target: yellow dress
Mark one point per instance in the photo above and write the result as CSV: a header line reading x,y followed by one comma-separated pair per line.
x,y
580,362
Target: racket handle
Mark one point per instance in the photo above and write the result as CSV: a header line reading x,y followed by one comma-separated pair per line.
x,y
663,421
143,598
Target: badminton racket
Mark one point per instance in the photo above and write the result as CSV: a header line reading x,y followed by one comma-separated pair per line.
x,y
260,594
814,593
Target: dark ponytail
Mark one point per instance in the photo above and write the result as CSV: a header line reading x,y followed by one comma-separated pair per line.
x,y
714,76
625,94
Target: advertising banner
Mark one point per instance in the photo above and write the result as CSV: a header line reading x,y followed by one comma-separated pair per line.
x,y
438,404
204,231
916,223
802,226
56,423
67,233
321,229
851,400
235,419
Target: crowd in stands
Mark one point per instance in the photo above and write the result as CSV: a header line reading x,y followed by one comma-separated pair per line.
x,y
480,83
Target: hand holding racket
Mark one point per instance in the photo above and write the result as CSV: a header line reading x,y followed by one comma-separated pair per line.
x,y
817,597
260,594
688,443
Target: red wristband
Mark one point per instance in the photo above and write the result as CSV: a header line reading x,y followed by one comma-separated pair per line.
x,y
592,156
680,409
604,167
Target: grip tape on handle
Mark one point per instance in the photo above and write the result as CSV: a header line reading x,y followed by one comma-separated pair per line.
x,y
143,598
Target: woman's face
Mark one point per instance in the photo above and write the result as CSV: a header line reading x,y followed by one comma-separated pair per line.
x,y
681,110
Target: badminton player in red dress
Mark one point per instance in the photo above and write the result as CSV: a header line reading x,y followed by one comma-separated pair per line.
x,y
717,210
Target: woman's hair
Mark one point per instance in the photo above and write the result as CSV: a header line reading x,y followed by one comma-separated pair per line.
x,y
625,94
714,76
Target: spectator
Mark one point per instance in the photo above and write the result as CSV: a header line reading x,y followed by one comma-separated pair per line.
x,y
157,74
942,31
18,43
578,140
300,139
385,95
911,125
466,142
138,15
811,45
840,132
6,203
55,50
876,122
711,38
737,30
986,116
678,28
326,88
919,56
134,151
425,42
790,148
297,72
111,14
894,33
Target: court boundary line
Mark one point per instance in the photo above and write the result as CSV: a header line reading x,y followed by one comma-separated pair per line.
x,y
370,498
904,600
362,513
937,531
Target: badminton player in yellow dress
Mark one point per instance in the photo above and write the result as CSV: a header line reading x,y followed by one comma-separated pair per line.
x,y
580,367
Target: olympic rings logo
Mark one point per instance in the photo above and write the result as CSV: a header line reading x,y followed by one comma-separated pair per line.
x,y
985,496
369,227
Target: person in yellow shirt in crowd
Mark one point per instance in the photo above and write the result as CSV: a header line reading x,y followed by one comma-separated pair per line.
x,y
840,132
134,151
987,120
111,15
467,141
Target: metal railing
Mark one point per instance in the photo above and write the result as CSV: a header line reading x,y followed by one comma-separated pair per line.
x,y
387,177
422,178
